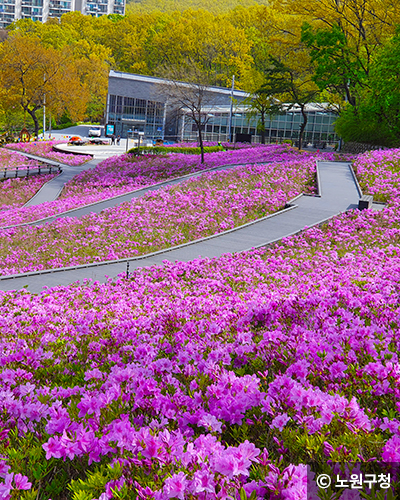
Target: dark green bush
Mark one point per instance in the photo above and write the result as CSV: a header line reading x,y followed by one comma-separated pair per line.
x,y
63,125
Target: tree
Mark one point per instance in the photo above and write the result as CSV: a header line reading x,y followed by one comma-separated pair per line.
x,y
377,118
366,24
338,68
261,104
209,42
33,76
189,98
92,65
291,86
343,36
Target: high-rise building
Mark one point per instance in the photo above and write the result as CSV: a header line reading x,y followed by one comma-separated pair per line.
x,y
41,10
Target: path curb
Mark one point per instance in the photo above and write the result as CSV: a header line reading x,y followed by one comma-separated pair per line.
x,y
160,184
147,255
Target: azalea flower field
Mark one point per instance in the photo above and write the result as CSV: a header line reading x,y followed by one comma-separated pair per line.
x,y
10,160
45,150
120,175
16,192
203,206
226,378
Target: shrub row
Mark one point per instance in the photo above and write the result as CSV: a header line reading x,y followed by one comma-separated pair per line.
x,y
183,150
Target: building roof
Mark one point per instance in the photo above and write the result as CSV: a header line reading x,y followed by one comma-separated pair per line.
x,y
154,79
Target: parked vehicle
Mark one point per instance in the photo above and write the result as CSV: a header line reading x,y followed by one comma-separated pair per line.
x,y
94,132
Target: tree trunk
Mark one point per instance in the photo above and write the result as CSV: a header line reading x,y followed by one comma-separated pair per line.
x,y
32,114
201,142
262,127
303,127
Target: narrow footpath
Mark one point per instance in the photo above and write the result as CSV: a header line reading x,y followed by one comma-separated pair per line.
x,y
52,189
338,192
99,206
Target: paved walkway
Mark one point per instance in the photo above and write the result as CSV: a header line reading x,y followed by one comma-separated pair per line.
x,y
52,189
97,151
127,197
338,193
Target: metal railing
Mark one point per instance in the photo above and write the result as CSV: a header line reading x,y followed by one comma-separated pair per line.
x,y
29,170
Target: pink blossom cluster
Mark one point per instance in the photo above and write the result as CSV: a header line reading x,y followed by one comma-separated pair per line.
x,y
127,169
206,144
10,160
378,172
206,205
200,378
16,192
45,150
119,175
211,379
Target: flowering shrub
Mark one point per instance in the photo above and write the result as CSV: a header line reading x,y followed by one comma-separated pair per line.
x,y
119,175
209,204
211,379
16,192
211,144
378,172
45,149
10,160
207,378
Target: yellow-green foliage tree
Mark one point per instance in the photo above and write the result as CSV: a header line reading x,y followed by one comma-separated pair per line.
x,y
220,7
344,36
225,38
32,76
210,42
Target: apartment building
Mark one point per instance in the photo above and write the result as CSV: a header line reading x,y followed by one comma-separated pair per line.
x,y
41,10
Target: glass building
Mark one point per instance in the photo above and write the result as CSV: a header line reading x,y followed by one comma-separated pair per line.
x,y
319,128
141,103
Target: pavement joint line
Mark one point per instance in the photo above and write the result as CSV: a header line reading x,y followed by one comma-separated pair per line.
x,y
148,255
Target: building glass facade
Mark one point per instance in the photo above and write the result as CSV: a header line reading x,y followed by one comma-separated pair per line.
x,y
130,113
140,102
320,125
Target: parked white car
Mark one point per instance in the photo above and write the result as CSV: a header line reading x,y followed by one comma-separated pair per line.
x,y
94,132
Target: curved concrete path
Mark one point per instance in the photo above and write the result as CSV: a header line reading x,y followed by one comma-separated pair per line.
x,y
52,189
99,206
338,192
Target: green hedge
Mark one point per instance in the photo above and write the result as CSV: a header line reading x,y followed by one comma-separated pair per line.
x,y
165,150
61,126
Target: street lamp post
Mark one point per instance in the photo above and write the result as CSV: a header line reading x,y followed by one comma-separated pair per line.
x,y
231,110
44,107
